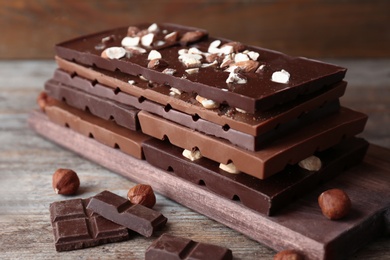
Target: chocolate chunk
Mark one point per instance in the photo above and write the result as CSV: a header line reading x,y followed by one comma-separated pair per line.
x,y
76,227
259,93
289,149
106,132
122,114
180,248
250,123
133,216
265,196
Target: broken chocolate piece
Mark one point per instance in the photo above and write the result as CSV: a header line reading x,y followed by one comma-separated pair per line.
x,y
106,132
133,216
180,248
265,196
259,93
76,227
289,149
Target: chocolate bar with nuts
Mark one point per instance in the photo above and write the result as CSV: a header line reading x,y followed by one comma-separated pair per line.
x,y
264,196
289,149
119,210
245,77
104,131
227,117
76,227
173,247
105,103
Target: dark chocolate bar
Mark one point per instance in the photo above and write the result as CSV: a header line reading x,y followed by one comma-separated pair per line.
x,y
119,210
104,131
289,149
76,227
180,248
124,115
258,92
225,116
265,196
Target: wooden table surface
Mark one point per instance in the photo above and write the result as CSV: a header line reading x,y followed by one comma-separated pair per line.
x,y
27,163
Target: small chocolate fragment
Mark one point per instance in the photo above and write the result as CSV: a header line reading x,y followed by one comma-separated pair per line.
x,y
133,216
76,227
173,247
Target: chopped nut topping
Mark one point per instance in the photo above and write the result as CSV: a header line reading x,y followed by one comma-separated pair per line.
x,y
207,103
130,41
192,71
114,53
153,54
191,60
247,66
190,37
240,110
237,46
169,71
281,76
157,63
311,163
153,28
131,82
213,47
240,57
147,39
135,50
253,55
174,91
236,78
171,37
192,155
212,64
230,168
132,31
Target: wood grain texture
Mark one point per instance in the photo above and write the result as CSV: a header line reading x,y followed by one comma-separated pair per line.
x,y
295,227
318,28
27,162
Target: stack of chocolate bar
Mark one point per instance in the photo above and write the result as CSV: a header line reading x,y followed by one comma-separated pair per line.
x,y
247,123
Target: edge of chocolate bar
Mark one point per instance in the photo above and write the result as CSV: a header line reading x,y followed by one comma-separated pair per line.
x,y
75,227
306,75
265,196
173,247
119,210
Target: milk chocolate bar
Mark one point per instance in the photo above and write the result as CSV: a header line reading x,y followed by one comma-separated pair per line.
x,y
248,90
107,109
76,227
225,116
119,210
289,149
265,196
173,247
104,131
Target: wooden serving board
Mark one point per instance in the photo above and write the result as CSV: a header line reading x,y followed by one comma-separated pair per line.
x,y
301,226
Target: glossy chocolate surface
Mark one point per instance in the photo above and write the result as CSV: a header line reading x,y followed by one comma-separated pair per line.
x,y
119,210
227,117
76,227
104,131
180,248
289,149
259,93
102,105
264,196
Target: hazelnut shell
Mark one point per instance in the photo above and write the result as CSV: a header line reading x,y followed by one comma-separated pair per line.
x,y
334,203
65,182
142,194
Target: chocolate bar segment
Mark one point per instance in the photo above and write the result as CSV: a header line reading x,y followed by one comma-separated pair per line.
x,y
104,131
225,116
76,227
289,149
265,196
125,115
133,216
258,93
180,248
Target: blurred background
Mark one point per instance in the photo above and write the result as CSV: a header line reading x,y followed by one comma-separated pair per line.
x,y
311,28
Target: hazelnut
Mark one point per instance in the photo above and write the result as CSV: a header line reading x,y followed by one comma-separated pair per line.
x,y
42,100
334,203
288,255
65,182
142,194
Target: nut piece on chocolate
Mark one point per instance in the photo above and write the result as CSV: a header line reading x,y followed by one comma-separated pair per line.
x,y
133,216
334,203
288,255
142,194
172,247
65,182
